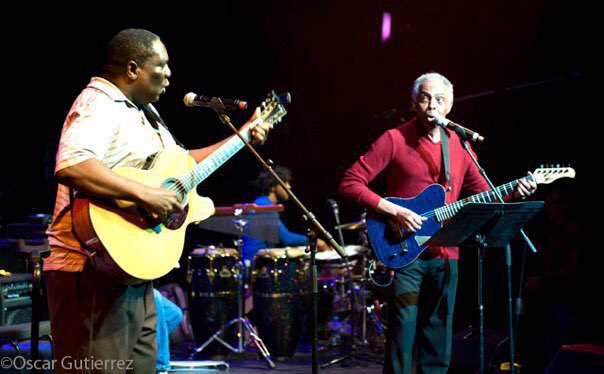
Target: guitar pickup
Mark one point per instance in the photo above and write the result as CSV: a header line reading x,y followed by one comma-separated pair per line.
x,y
399,235
396,230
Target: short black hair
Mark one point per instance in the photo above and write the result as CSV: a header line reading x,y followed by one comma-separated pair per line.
x,y
129,44
265,180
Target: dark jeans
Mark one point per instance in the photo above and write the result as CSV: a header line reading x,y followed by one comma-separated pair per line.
x,y
422,300
99,325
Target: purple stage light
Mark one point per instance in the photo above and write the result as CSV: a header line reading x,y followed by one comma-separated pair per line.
x,y
386,26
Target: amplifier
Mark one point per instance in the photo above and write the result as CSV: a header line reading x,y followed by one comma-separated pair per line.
x,y
15,299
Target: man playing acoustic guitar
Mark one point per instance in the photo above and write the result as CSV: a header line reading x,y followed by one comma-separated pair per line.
x,y
97,323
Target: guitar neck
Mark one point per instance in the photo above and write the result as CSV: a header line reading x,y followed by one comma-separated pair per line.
x,y
448,211
209,165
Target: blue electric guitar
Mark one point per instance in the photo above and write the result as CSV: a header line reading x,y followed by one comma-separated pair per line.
x,y
397,248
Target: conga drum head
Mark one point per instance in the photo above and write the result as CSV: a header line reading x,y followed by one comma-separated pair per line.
x,y
213,251
330,264
286,252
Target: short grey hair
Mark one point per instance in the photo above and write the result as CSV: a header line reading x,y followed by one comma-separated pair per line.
x,y
428,76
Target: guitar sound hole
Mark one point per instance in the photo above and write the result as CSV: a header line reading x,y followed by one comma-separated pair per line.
x,y
178,187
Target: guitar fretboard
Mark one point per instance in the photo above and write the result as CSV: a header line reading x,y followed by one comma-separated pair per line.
x,y
448,211
209,165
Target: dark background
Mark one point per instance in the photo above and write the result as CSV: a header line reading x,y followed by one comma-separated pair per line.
x,y
524,77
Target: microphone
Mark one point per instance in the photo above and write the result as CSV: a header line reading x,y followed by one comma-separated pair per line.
x,y
334,206
460,130
192,99
336,213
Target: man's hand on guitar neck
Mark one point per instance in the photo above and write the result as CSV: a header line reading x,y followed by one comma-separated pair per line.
x,y
524,189
259,132
259,128
410,221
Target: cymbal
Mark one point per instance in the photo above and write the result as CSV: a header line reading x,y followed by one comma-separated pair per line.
x,y
247,209
352,225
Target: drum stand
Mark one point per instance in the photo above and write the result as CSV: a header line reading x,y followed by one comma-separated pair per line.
x,y
241,321
354,354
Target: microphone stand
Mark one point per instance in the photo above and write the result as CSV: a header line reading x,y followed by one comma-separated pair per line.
x,y
508,262
313,224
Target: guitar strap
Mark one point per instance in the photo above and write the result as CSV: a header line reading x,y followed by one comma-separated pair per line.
x,y
154,119
444,143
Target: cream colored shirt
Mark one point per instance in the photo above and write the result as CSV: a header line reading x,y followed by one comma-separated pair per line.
x,y
103,124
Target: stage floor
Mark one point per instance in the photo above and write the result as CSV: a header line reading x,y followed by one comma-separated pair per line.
x,y
301,362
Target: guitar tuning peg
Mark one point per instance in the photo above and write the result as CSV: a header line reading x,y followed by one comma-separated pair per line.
x,y
541,166
557,165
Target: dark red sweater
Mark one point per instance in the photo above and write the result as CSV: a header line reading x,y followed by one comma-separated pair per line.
x,y
411,162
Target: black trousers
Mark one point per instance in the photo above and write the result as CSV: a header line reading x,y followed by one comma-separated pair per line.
x,y
99,326
421,304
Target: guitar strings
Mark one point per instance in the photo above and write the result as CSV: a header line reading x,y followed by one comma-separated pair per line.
x,y
455,206
181,186
190,177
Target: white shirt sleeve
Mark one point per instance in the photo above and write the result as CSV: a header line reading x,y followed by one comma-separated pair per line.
x,y
87,133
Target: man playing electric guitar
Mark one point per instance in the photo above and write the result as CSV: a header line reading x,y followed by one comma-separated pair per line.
x,y
412,157
111,124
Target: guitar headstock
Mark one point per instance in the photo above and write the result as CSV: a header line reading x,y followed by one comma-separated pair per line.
x,y
546,175
272,108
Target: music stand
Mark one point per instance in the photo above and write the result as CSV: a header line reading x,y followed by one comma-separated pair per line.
x,y
488,225
262,221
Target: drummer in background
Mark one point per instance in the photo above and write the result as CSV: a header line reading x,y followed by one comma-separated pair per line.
x,y
272,193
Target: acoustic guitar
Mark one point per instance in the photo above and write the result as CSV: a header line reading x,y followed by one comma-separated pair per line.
x,y
132,246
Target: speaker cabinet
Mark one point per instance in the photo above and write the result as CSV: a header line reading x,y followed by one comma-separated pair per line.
x,y
15,299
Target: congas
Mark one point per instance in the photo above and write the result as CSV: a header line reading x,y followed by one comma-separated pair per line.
x,y
280,289
330,264
212,284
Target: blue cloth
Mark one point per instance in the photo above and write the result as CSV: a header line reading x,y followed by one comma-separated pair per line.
x,y
169,316
251,246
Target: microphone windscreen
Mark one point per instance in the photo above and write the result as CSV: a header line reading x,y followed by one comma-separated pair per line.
x,y
189,99
440,120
